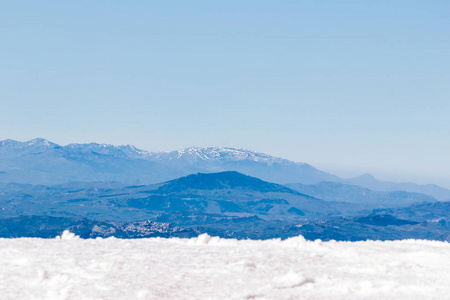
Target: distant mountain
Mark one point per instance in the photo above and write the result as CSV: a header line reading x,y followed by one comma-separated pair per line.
x,y
42,162
368,181
226,204
333,191
230,180
220,194
232,193
218,159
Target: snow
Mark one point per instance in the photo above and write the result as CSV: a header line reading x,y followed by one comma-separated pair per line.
x,y
67,235
221,153
212,268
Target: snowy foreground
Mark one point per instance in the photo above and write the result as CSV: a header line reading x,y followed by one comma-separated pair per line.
x,y
213,268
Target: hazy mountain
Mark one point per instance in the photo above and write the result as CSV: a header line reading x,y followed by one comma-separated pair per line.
x,y
220,194
236,194
226,204
333,191
368,181
42,162
218,159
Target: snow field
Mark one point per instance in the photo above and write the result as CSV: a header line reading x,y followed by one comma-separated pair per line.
x,y
213,268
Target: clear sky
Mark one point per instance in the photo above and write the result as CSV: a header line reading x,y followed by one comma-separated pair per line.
x,y
347,86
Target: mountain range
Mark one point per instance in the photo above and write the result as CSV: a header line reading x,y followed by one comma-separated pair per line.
x,y
226,204
225,193
42,162
98,190
333,191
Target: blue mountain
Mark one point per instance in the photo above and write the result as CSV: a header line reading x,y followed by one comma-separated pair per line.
x,y
227,204
42,162
369,182
225,194
334,191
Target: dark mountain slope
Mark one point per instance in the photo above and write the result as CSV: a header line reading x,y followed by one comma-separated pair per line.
x,y
223,180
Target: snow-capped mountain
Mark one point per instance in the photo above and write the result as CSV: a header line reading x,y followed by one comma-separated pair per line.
x,y
218,159
219,154
32,146
42,162
40,145
127,151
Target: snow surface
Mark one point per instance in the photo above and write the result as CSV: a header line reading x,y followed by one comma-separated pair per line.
x,y
212,268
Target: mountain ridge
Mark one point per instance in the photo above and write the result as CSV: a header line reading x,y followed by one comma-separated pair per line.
x,y
225,180
40,161
227,204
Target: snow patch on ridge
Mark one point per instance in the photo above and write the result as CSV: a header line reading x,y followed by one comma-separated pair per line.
x,y
219,153
130,151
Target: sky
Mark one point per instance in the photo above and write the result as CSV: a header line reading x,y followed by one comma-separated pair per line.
x,y
350,87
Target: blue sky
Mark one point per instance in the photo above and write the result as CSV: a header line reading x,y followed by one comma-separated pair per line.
x,y
348,86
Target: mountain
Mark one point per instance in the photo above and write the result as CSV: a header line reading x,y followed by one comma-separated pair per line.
x,y
232,193
333,191
230,180
194,200
217,159
228,204
368,181
42,162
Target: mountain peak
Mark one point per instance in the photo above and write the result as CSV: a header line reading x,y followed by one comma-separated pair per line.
x,y
222,180
107,149
123,162
365,176
34,144
8,142
363,179
218,154
40,142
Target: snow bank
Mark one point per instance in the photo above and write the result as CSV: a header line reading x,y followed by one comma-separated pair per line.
x,y
213,268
